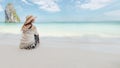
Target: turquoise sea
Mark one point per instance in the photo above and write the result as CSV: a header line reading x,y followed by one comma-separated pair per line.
x,y
69,29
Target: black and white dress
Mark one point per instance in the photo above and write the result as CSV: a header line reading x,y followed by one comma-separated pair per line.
x,y
30,38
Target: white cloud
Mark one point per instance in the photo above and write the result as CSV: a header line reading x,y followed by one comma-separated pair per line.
x,y
93,4
26,2
113,13
1,9
48,5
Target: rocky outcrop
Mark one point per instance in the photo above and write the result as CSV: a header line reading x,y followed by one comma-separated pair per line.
x,y
10,14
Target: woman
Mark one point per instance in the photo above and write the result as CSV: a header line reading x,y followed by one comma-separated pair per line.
x,y
30,36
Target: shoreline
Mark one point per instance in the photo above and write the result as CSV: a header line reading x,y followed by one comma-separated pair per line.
x,y
105,45
74,39
60,52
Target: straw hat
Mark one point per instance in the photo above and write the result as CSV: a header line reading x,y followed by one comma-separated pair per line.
x,y
30,19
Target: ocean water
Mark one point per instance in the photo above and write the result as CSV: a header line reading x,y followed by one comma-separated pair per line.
x,y
68,29
103,37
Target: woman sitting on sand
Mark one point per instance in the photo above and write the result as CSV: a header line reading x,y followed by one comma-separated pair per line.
x,y
30,36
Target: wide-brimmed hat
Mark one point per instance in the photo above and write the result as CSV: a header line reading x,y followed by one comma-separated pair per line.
x,y
30,19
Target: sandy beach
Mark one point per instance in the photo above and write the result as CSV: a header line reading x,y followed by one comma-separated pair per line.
x,y
72,33
59,52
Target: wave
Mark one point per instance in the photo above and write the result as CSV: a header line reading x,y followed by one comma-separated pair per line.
x,y
75,39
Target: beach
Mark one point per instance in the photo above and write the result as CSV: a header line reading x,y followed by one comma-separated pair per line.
x,y
71,33
60,52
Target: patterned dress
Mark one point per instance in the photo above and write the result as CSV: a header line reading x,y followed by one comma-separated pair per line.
x,y
30,38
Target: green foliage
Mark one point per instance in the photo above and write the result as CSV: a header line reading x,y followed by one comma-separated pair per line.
x,y
16,16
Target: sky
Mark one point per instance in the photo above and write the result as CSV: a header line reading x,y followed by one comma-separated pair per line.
x,y
65,10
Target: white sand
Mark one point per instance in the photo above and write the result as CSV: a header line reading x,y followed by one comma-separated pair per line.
x,y
60,53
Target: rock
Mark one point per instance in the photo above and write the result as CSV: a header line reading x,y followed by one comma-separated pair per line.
x,y
10,14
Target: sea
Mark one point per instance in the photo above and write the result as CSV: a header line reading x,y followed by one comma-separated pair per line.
x,y
98,36
68,29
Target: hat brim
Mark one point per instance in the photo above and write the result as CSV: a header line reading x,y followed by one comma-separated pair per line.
x,y
30,19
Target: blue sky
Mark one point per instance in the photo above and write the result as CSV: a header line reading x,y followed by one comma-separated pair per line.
x,y
65,10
